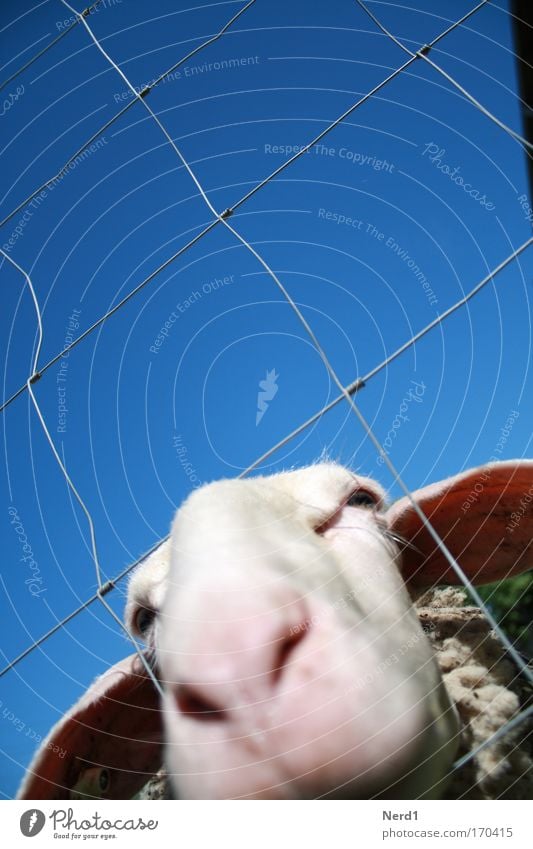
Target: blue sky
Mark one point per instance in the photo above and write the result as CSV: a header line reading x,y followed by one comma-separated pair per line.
x,y
369,233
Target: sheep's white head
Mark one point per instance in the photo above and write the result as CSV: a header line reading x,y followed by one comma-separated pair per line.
x,y
280,621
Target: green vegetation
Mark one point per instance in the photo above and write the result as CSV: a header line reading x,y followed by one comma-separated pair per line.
x,y
511,603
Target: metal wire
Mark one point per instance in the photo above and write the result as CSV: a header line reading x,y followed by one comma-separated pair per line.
x,y
102,588
51,44
331,370
107,587
71,485
37,310
501,732
138,95
209,227
345,392
65,167
422,53
352,388
218,220
31,379
112,311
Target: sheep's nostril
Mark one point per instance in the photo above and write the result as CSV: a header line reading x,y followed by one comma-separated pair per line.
x,y
287,648
192,704
251,668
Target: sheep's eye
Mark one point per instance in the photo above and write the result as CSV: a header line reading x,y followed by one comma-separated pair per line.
x,y
104,780
91,783
144,619
362,498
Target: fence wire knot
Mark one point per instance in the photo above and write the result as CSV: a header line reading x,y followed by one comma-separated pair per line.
x,y
355,386
105,588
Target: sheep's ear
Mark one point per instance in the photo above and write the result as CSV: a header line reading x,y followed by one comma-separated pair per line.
x,y
485,518
107,746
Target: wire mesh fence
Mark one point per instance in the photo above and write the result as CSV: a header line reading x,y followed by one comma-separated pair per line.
x,y
35,384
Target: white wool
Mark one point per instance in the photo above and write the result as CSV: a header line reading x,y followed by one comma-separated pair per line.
x,y
487,691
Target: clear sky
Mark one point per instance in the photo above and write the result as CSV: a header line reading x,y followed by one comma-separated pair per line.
x,y
406,206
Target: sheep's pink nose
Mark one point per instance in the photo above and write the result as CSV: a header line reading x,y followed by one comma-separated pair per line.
x,y
237,665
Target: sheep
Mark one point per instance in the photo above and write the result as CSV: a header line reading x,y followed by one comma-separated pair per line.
x,y
288,624
487,692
